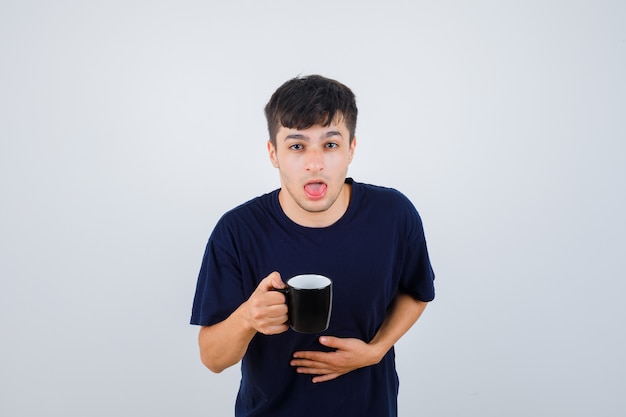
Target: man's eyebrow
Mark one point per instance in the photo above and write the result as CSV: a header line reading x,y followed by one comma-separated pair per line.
x,y
298,136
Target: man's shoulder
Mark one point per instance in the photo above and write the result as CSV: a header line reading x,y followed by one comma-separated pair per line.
x,y
259,202
253,210
385,204
381,194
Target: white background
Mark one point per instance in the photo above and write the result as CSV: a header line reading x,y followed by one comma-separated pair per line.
x,y
128,127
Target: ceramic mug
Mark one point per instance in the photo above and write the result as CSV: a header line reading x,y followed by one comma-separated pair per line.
x,y
309,299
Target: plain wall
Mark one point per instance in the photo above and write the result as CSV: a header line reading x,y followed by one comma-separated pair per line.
x,y
127,128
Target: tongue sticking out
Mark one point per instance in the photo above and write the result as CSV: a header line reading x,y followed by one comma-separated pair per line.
x,y
315,189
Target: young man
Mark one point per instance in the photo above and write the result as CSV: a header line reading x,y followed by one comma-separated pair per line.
x,y
368,239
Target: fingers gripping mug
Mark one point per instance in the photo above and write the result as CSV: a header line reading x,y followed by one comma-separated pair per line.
x,y
309,299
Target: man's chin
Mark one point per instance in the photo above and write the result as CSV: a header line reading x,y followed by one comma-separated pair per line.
x,y
315,207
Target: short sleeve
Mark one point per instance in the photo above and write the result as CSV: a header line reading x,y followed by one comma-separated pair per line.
x,y
219,289
417,276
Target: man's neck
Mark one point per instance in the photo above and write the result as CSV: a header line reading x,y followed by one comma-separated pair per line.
x,y
317,219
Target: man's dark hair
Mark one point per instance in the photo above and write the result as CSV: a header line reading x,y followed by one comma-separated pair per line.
x,y
311,100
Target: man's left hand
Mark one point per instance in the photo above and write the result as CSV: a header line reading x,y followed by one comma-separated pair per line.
x,y
349,354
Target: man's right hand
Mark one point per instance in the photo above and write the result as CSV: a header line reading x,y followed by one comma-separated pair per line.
x,y
266,311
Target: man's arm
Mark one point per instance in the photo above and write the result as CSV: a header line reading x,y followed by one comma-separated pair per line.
x,y
224,344
351,354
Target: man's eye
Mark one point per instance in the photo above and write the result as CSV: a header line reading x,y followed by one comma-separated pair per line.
x,y
296,147
331,145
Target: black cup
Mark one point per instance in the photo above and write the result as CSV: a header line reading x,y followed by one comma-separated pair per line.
x,y
309,299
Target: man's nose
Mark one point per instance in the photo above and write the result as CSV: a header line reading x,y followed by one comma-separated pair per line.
x,y
315,160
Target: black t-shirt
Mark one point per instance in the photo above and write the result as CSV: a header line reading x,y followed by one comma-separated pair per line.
x,y
376,249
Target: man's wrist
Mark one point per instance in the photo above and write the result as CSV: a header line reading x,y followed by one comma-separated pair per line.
x,y
378,351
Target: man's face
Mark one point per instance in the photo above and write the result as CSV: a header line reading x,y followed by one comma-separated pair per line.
x,y
313,164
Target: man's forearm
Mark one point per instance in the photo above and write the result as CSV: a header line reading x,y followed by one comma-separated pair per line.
x,y
401,316
224,344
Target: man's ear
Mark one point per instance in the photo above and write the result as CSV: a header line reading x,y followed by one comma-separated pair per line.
x,y
271,150
352,148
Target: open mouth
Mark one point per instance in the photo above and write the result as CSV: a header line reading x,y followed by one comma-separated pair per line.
x,y
315,189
